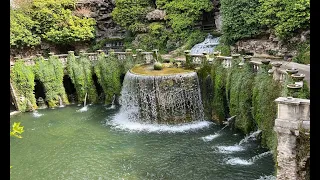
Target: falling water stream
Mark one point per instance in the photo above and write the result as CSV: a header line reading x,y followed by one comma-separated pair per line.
x,y
207,45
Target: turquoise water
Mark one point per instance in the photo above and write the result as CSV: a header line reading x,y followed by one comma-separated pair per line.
x,y
64,143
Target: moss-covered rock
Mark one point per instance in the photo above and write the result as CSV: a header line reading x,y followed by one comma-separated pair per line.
x,y
157,66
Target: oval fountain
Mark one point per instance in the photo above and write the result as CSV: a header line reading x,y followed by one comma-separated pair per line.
x,y
160,100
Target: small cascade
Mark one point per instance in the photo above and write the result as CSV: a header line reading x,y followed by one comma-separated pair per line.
x,y
253,135
85,100
113,105
210,137
259,156
208,45
239,161
60,102
269,177
85,107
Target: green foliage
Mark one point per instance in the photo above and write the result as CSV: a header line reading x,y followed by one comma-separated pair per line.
x,y
239,19
303,56
21,30
183,14
108,72
17,130
131,14
219,105
157,66
206,85
241,97
22,78
265,91
51,21
224,49
50,73
80,71
285,17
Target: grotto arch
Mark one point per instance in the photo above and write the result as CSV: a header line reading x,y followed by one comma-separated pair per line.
x,y
39,93
70,89
99,88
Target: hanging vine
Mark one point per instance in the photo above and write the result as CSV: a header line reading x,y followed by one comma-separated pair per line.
x,y
22,78
219,103
80,72
264,112
241,97
50,73
108,72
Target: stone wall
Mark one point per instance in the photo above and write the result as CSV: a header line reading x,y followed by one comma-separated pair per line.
x,y
270,45
292,123
101,12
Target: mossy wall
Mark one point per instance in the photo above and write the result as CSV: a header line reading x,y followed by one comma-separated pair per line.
x,y
80,71
248,95
22,77
108,71
50,73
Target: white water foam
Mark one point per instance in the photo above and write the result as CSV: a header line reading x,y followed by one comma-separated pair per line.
x,y
269,177
230,149
120,121
36,114
111,107
251,136
210,137
83,109
239,161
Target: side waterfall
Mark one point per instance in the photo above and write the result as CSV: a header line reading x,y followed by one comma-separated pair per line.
x,y
207,45
170,99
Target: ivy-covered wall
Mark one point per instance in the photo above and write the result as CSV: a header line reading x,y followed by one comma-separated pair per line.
x,y
248,95
50,73
22,78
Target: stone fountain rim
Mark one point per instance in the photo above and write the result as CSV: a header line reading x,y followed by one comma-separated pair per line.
x,y
163,75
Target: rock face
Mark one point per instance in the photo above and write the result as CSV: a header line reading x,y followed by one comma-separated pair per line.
x,y
269,46
101,11
217,15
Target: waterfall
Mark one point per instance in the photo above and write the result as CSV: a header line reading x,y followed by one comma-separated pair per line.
x,y
239,161
113,105
250,136
207,45
85,99
169,99
60,102
84,108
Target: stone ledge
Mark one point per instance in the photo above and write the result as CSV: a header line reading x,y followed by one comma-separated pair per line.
x,y
294,101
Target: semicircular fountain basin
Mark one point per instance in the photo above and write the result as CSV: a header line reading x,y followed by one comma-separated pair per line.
x,y
168,96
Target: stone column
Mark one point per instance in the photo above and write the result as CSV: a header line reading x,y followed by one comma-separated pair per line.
x,y
276,72
155,54
293,114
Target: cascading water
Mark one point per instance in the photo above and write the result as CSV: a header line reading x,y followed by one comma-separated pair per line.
x,y
159,102
253,135
113,105
84,108
167,99
60,102
207,45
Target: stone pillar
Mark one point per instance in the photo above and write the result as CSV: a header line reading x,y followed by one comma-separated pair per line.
x,y
155,54
293,115
276,72
139,58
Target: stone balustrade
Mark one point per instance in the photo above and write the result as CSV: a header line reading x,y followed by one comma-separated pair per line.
x,y
293,119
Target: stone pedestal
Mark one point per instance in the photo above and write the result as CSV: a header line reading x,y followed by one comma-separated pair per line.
x,y
293,116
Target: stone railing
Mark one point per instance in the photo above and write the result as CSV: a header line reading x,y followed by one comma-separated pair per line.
x,y
146,57
293,120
